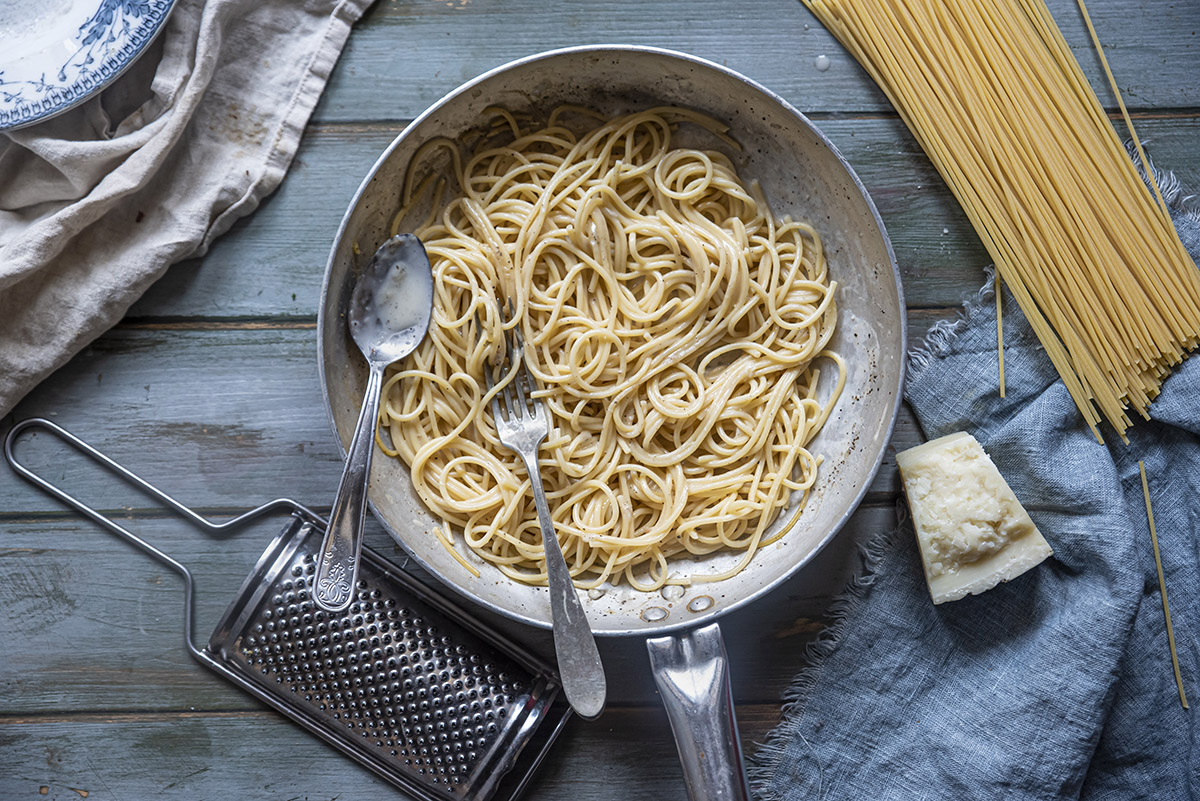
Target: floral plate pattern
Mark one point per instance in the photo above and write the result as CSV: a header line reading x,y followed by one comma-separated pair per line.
x,y
54,54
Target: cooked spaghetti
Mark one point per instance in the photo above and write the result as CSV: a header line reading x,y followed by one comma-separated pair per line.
x,y
672,325
991,91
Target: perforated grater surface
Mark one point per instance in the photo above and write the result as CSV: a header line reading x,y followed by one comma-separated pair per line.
x,y
403,678
404,681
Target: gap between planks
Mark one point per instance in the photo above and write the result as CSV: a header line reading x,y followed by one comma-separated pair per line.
x,y
1114,115
878,500
309,323
751,715
258,323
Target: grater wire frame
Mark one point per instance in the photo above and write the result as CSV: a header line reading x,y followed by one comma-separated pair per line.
x,y
285,504
500,784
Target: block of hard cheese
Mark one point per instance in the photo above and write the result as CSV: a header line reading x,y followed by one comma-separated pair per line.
x,y
972,530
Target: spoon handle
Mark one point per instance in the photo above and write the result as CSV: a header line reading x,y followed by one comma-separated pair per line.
x,y
337,565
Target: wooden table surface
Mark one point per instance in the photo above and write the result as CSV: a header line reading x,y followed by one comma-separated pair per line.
x,y
209,387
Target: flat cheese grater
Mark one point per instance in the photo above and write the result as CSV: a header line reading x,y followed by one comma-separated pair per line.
x,y
404,681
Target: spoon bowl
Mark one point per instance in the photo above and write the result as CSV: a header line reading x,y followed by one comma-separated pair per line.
x,y
392,301
388,316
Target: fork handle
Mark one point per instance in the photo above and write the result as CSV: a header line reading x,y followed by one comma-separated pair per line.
x,y
579,663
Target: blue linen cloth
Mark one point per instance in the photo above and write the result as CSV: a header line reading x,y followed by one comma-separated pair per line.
x,y
1057,685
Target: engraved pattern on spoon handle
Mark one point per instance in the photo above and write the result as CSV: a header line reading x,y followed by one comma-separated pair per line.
x,y
579,663
337,564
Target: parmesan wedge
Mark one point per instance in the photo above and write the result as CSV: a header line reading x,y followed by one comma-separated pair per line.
x,y
972,530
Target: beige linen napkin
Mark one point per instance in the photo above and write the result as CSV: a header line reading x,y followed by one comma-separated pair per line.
x,y
96,203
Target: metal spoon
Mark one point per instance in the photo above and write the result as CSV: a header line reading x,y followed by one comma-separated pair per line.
x,y
388,317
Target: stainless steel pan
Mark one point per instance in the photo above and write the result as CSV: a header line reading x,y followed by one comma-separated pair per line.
x,y
803,175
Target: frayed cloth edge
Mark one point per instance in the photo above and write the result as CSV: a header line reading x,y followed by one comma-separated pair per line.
x,y
940,338
764,763
1168,184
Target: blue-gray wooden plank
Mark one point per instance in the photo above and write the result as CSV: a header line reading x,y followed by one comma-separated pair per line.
x,y
411,52
223,417
271,264
92,625
207,756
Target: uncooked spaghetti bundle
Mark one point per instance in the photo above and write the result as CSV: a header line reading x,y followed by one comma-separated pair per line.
x,y
992,93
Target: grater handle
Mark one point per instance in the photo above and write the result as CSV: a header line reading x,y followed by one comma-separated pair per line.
x,y
692,674
139,482
284,504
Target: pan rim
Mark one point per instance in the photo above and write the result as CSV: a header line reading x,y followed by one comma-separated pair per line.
x,y
889,430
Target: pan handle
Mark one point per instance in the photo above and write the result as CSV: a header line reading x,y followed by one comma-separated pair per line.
x,y
692,673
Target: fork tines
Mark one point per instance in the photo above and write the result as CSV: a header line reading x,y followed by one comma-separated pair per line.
x,y
515,399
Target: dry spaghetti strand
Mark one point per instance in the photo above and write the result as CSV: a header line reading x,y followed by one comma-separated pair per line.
x,y
1162,587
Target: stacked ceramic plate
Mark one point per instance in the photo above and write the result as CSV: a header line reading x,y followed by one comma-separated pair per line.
x,y
54,54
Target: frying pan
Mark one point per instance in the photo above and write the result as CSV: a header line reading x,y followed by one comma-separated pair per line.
x,y
802,175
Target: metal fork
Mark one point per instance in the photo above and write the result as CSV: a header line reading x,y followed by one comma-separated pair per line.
x,y
522,424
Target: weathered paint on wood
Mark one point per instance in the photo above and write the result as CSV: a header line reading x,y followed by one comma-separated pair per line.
x,y
210,389
99,625
626,754
411,52
223,418
272,264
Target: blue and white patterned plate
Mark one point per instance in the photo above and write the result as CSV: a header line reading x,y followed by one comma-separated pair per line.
x,y
54,54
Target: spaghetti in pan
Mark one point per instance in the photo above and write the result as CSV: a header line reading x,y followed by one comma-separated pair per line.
x,y
676,328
